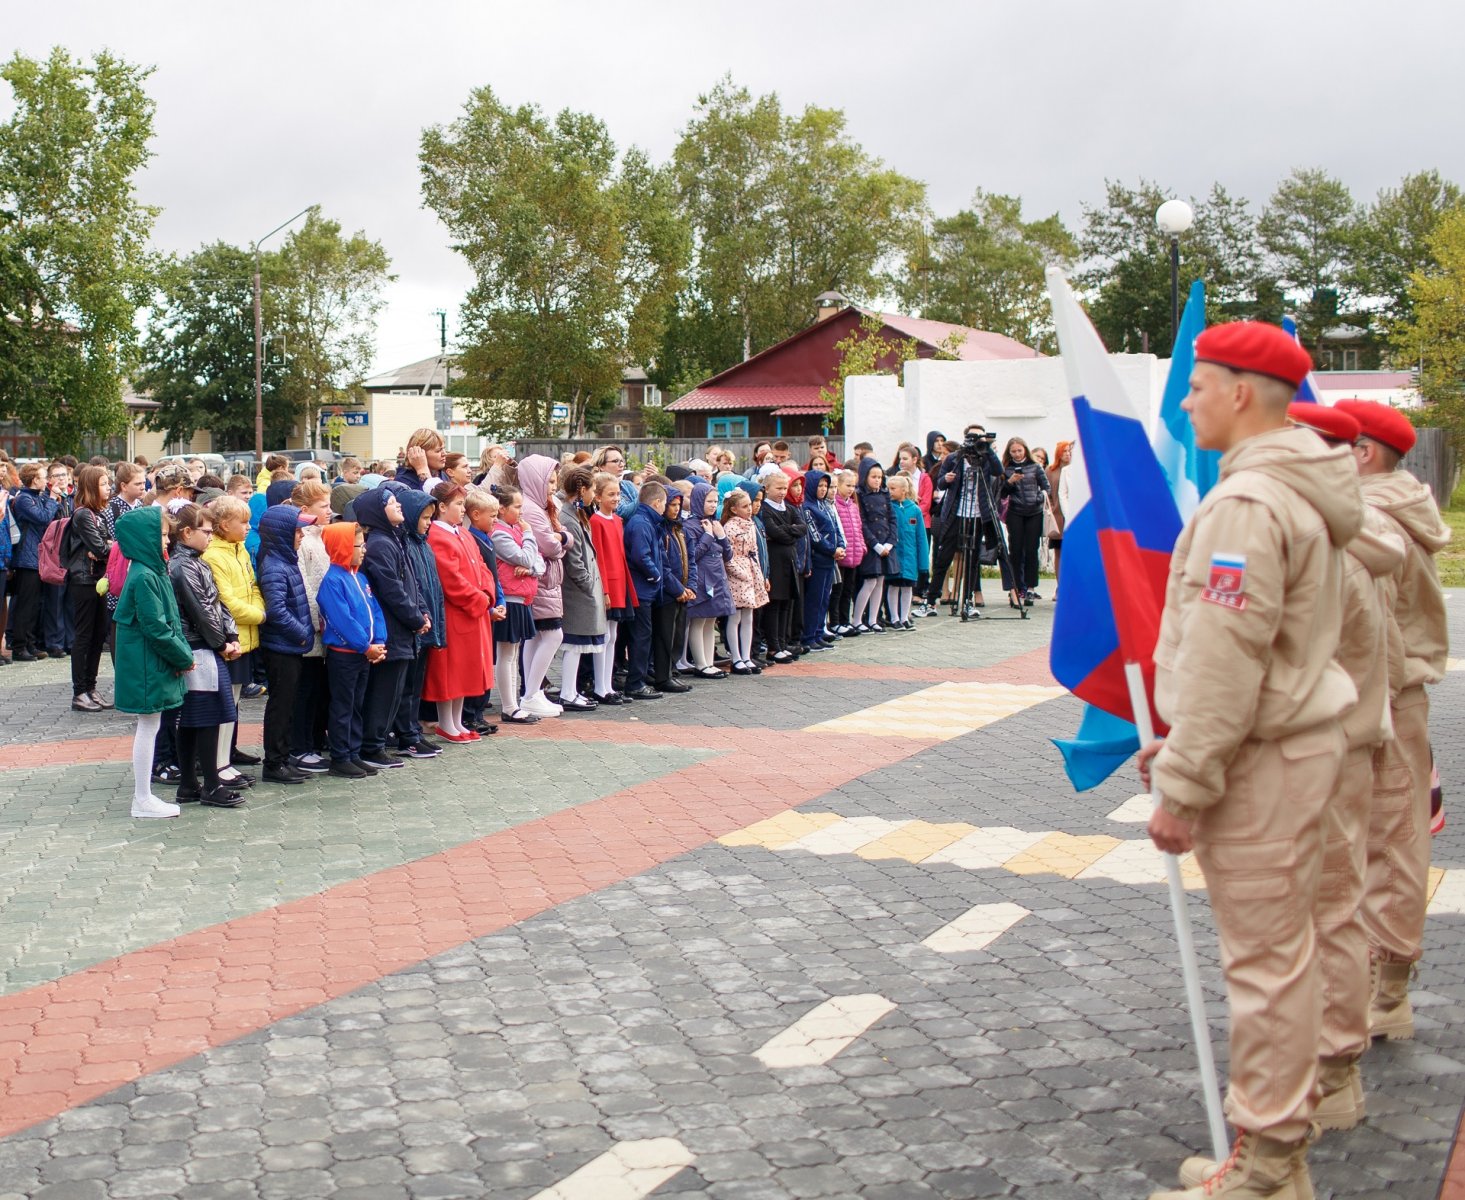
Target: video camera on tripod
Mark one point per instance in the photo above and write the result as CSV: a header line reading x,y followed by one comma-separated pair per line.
x,y
977,452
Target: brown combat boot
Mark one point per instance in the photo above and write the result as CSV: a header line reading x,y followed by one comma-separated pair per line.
x,y
1341,1083
1259,1166
1389,1013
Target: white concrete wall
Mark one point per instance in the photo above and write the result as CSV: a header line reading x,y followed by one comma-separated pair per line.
x,y
1026,398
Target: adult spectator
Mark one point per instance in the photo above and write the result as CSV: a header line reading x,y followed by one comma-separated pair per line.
x,y
9,540
612,460
819,446
779,454
1025,485
423,460
761,451
965,515
197,469
495,468
87,544
34,507
1058,502
55,608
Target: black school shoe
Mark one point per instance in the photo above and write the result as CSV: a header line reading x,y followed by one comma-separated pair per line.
x,y
608,698
362,765
223,798
169,776
240,758
418,750
347,770
283,774
381,760
645,692
578,705
674,686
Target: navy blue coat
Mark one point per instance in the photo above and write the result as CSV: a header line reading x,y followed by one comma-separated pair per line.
x,y
34,510
286,628
678,566
644,557
711,556
878,518
824,531
387,570
424,568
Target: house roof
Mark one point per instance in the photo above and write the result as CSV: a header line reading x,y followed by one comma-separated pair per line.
x,y
977,345
722,399
804,410
420,375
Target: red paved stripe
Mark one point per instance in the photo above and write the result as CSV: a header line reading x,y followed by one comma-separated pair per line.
x,y
71,1040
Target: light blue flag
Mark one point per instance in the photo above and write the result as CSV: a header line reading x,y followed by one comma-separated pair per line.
x,y
1104,742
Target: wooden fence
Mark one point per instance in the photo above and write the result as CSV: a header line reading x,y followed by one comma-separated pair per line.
x,y
663,450
1433,462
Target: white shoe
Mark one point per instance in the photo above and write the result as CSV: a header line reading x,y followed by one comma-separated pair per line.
x,y
151,806
541,705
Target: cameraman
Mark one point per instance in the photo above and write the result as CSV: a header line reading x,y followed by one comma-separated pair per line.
x,y
963,500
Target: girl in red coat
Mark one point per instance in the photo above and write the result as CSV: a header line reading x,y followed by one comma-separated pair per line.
x,y
463,667
607,535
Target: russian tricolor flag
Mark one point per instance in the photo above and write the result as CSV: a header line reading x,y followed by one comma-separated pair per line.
x,y
1116,548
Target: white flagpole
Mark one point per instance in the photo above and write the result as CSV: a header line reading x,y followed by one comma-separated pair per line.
x,y
1139,701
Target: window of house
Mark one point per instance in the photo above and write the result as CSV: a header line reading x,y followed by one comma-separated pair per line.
x,y
651,396
1342,358
619,431
727,427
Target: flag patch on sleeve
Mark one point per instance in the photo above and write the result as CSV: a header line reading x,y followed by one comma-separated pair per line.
x,y
1226,584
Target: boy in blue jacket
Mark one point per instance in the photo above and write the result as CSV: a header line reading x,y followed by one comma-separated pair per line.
x,y
644,562
285,635
354,634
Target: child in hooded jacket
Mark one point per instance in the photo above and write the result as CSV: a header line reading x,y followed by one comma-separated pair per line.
x,y
285,635
678,588
710,550
584,592
354,631
538,478
152,655
464,666
847,509
482,510
826,551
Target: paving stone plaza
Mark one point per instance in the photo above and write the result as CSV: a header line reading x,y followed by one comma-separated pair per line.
x,y
844,930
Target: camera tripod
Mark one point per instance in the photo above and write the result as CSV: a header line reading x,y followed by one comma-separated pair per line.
x,y
971,558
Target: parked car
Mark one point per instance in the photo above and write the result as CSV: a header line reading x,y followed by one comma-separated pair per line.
x,y
305,456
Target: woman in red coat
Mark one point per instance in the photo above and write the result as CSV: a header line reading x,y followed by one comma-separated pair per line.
x,y
463,667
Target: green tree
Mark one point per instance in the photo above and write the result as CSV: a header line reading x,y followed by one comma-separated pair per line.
x,y
1126,276
74,265
1307,231
1434,335
198,356
1391,242
325,304
577,257
984,268
783,208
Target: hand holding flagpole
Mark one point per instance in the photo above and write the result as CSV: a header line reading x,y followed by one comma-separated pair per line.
x,y
1138,522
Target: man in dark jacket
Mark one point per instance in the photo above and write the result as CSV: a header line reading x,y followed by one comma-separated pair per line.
x,y
34,508
389,572
966,515
645,564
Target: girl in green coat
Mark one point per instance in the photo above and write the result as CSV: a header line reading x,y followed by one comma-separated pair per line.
x,y
152,655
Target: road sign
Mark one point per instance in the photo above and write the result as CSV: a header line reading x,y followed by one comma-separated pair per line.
x,y
560,412
356,418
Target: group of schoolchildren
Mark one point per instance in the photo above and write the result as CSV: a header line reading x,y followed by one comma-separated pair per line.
x,y
384,615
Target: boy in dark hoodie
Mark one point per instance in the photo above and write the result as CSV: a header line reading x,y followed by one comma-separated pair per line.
x,y
678,587
354,632
418,510
644,561
285,635
379,512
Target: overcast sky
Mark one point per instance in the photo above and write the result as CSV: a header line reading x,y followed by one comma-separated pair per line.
x,y
267,107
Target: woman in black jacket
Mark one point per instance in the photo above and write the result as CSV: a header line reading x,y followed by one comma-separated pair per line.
x,y
1025,485
207,625
85,548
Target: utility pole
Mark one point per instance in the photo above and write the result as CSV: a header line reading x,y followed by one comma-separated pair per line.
x,y
259,402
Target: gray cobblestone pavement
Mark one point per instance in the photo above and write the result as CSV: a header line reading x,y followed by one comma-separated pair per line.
x,y
1054,1063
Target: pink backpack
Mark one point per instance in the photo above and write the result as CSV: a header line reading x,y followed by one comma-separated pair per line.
x,y
51,560
117,564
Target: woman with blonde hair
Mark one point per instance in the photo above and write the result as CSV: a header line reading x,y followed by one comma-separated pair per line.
x,y
424,459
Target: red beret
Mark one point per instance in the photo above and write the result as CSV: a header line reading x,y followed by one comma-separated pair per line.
x,y
1257,347
1381,423
1330,422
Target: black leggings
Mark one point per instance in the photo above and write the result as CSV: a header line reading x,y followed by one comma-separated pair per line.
x,y
198,748
1024,533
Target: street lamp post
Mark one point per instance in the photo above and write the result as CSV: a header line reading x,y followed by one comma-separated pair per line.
x,y
259,403
1174,217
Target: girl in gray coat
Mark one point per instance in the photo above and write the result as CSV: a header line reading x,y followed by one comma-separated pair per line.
x,y
583,593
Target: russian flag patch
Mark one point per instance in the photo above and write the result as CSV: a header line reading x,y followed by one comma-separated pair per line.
x,y
1226,584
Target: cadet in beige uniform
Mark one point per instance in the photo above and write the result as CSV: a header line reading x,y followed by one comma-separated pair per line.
x,y
1247,680
1369,650
1398,845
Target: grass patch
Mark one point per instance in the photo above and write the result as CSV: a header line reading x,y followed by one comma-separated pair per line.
x,y
1451,559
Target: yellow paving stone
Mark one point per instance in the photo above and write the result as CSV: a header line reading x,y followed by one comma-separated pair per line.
x,y
1061,854
777,832
1455,664
1436,874
944,711
915,842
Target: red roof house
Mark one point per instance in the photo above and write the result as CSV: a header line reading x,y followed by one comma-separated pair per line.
x,y
776,392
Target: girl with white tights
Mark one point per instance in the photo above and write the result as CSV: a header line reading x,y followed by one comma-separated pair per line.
x,y
867,603
744,579
538,477
144,803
